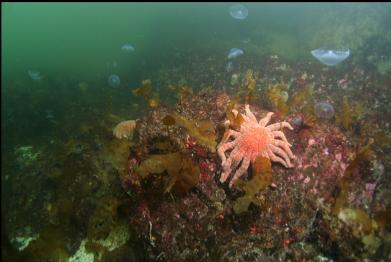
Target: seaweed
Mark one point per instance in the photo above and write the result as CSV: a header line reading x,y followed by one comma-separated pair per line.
x,y
102,225
181,91
235,119
362,227
302,101
51,245
144,91
247,88
262,178
383,217
207,129
349,114
302,98
104,218
360,222
187,177
154,102
381,138
116,153
278,96
176,170
204,132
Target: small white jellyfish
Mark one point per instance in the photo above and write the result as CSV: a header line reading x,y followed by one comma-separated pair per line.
x,y
114,80
238,12
127,48
324,110
330,57
34,75
234,53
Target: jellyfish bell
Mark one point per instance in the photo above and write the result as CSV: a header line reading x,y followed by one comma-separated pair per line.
x,y
34,75
330,57
114,81
234,53
127,48
324,110
238,11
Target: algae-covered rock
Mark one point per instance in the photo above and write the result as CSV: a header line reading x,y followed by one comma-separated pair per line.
x,y
26,155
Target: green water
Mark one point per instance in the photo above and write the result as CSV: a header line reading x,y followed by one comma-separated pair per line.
x,y
82,37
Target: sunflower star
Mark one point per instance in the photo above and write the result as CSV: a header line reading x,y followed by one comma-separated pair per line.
x,y
254,139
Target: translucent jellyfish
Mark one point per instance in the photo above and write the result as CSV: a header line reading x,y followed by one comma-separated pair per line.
x,y
114,81
229,67
238,12
35,75
324,110
330,57
234,53
127,48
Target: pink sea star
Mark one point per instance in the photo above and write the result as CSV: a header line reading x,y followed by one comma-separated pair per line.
x,y
254,139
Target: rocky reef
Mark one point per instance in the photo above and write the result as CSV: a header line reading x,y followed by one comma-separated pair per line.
x,y
181,211
152,192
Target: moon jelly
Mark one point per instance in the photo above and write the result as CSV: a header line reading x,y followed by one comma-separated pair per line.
x,y
127,48
330,57
114,81
324,110
238,12
34,75
234,53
